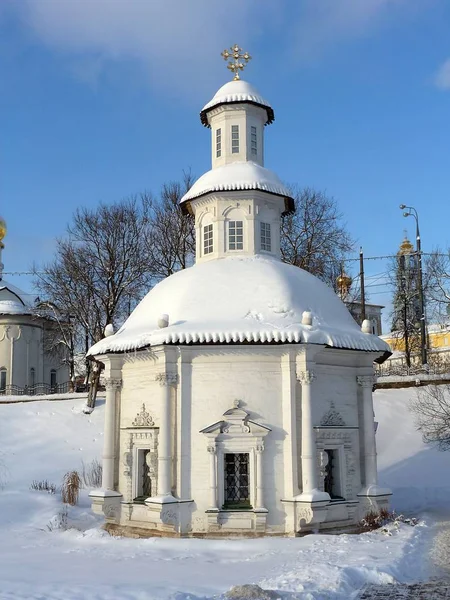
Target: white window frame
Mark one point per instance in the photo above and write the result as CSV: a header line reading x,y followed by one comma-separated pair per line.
x,y
136,441
235,235
218,142
235,139
253,140
266,237
236,434
208,239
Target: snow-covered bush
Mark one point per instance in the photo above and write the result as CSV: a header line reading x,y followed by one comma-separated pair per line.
x,y
385,521
70,489
59,521
43,486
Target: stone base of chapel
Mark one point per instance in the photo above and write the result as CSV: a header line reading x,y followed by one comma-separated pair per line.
x,y
175,519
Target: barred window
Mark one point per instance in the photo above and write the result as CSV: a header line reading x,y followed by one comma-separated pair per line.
x,y
218,142
235,139
253,140
207,239
266,240
236,235
237,481
2,380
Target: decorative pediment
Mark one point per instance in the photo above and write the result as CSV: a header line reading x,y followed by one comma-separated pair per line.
x,y
332,418
236,422
143,419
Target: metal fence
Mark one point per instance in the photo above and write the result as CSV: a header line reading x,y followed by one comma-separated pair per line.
x,y
387,370
38,389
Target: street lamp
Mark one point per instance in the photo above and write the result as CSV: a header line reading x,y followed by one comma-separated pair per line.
x,y
412,212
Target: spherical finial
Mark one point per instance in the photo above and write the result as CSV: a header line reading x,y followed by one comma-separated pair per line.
x,y
109,330
366,326
2,228
163,321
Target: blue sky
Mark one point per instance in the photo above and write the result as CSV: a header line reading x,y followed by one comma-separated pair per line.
x,y
99,99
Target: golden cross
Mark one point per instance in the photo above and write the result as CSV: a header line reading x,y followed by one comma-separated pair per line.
x,y
236,56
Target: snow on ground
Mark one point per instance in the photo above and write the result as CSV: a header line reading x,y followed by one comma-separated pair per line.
x,y
43,440
417,473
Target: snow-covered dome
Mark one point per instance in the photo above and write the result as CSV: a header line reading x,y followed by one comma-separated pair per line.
x,y
13,307
235,300
13,301
237,92
245,175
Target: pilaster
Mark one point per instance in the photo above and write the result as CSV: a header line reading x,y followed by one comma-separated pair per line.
x,y
376,497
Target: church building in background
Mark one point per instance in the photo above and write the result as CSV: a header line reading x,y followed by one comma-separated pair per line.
x,y
27,366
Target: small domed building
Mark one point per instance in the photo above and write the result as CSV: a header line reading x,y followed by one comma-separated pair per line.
x,y
239,391
26,367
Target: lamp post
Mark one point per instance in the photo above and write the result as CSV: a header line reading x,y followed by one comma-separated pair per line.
x,y
412,212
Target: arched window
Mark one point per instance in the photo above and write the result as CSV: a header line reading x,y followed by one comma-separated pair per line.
x,y
2,380
32,380
53,380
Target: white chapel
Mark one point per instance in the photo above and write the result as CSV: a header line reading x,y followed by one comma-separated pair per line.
x,y
239,391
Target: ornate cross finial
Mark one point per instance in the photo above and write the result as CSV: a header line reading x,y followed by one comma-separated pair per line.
x,y
235,55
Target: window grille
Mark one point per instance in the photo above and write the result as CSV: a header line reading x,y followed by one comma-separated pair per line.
x,y
2,380
218,142
266,240
236,235
235,139
237,481
208,239
253,140
53,380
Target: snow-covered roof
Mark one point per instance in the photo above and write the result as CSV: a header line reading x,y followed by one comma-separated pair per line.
x,y
236,300
245,175
13,301
235,92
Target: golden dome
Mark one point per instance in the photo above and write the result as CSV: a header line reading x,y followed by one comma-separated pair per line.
x,y
2,228
344,281
406,247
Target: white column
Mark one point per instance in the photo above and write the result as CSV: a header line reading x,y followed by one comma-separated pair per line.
x,y
310,479
212,477
370,452
259,503
166,381
112,385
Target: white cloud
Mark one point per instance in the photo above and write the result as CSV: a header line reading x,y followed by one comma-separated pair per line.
x,y
442,77
176,42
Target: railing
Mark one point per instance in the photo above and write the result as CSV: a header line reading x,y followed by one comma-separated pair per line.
x,y
38,389
402,370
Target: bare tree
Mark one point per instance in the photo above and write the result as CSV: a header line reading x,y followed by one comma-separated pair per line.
x,y
101,265
59,335
101,268
171,238
438,284
432,410
315,237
